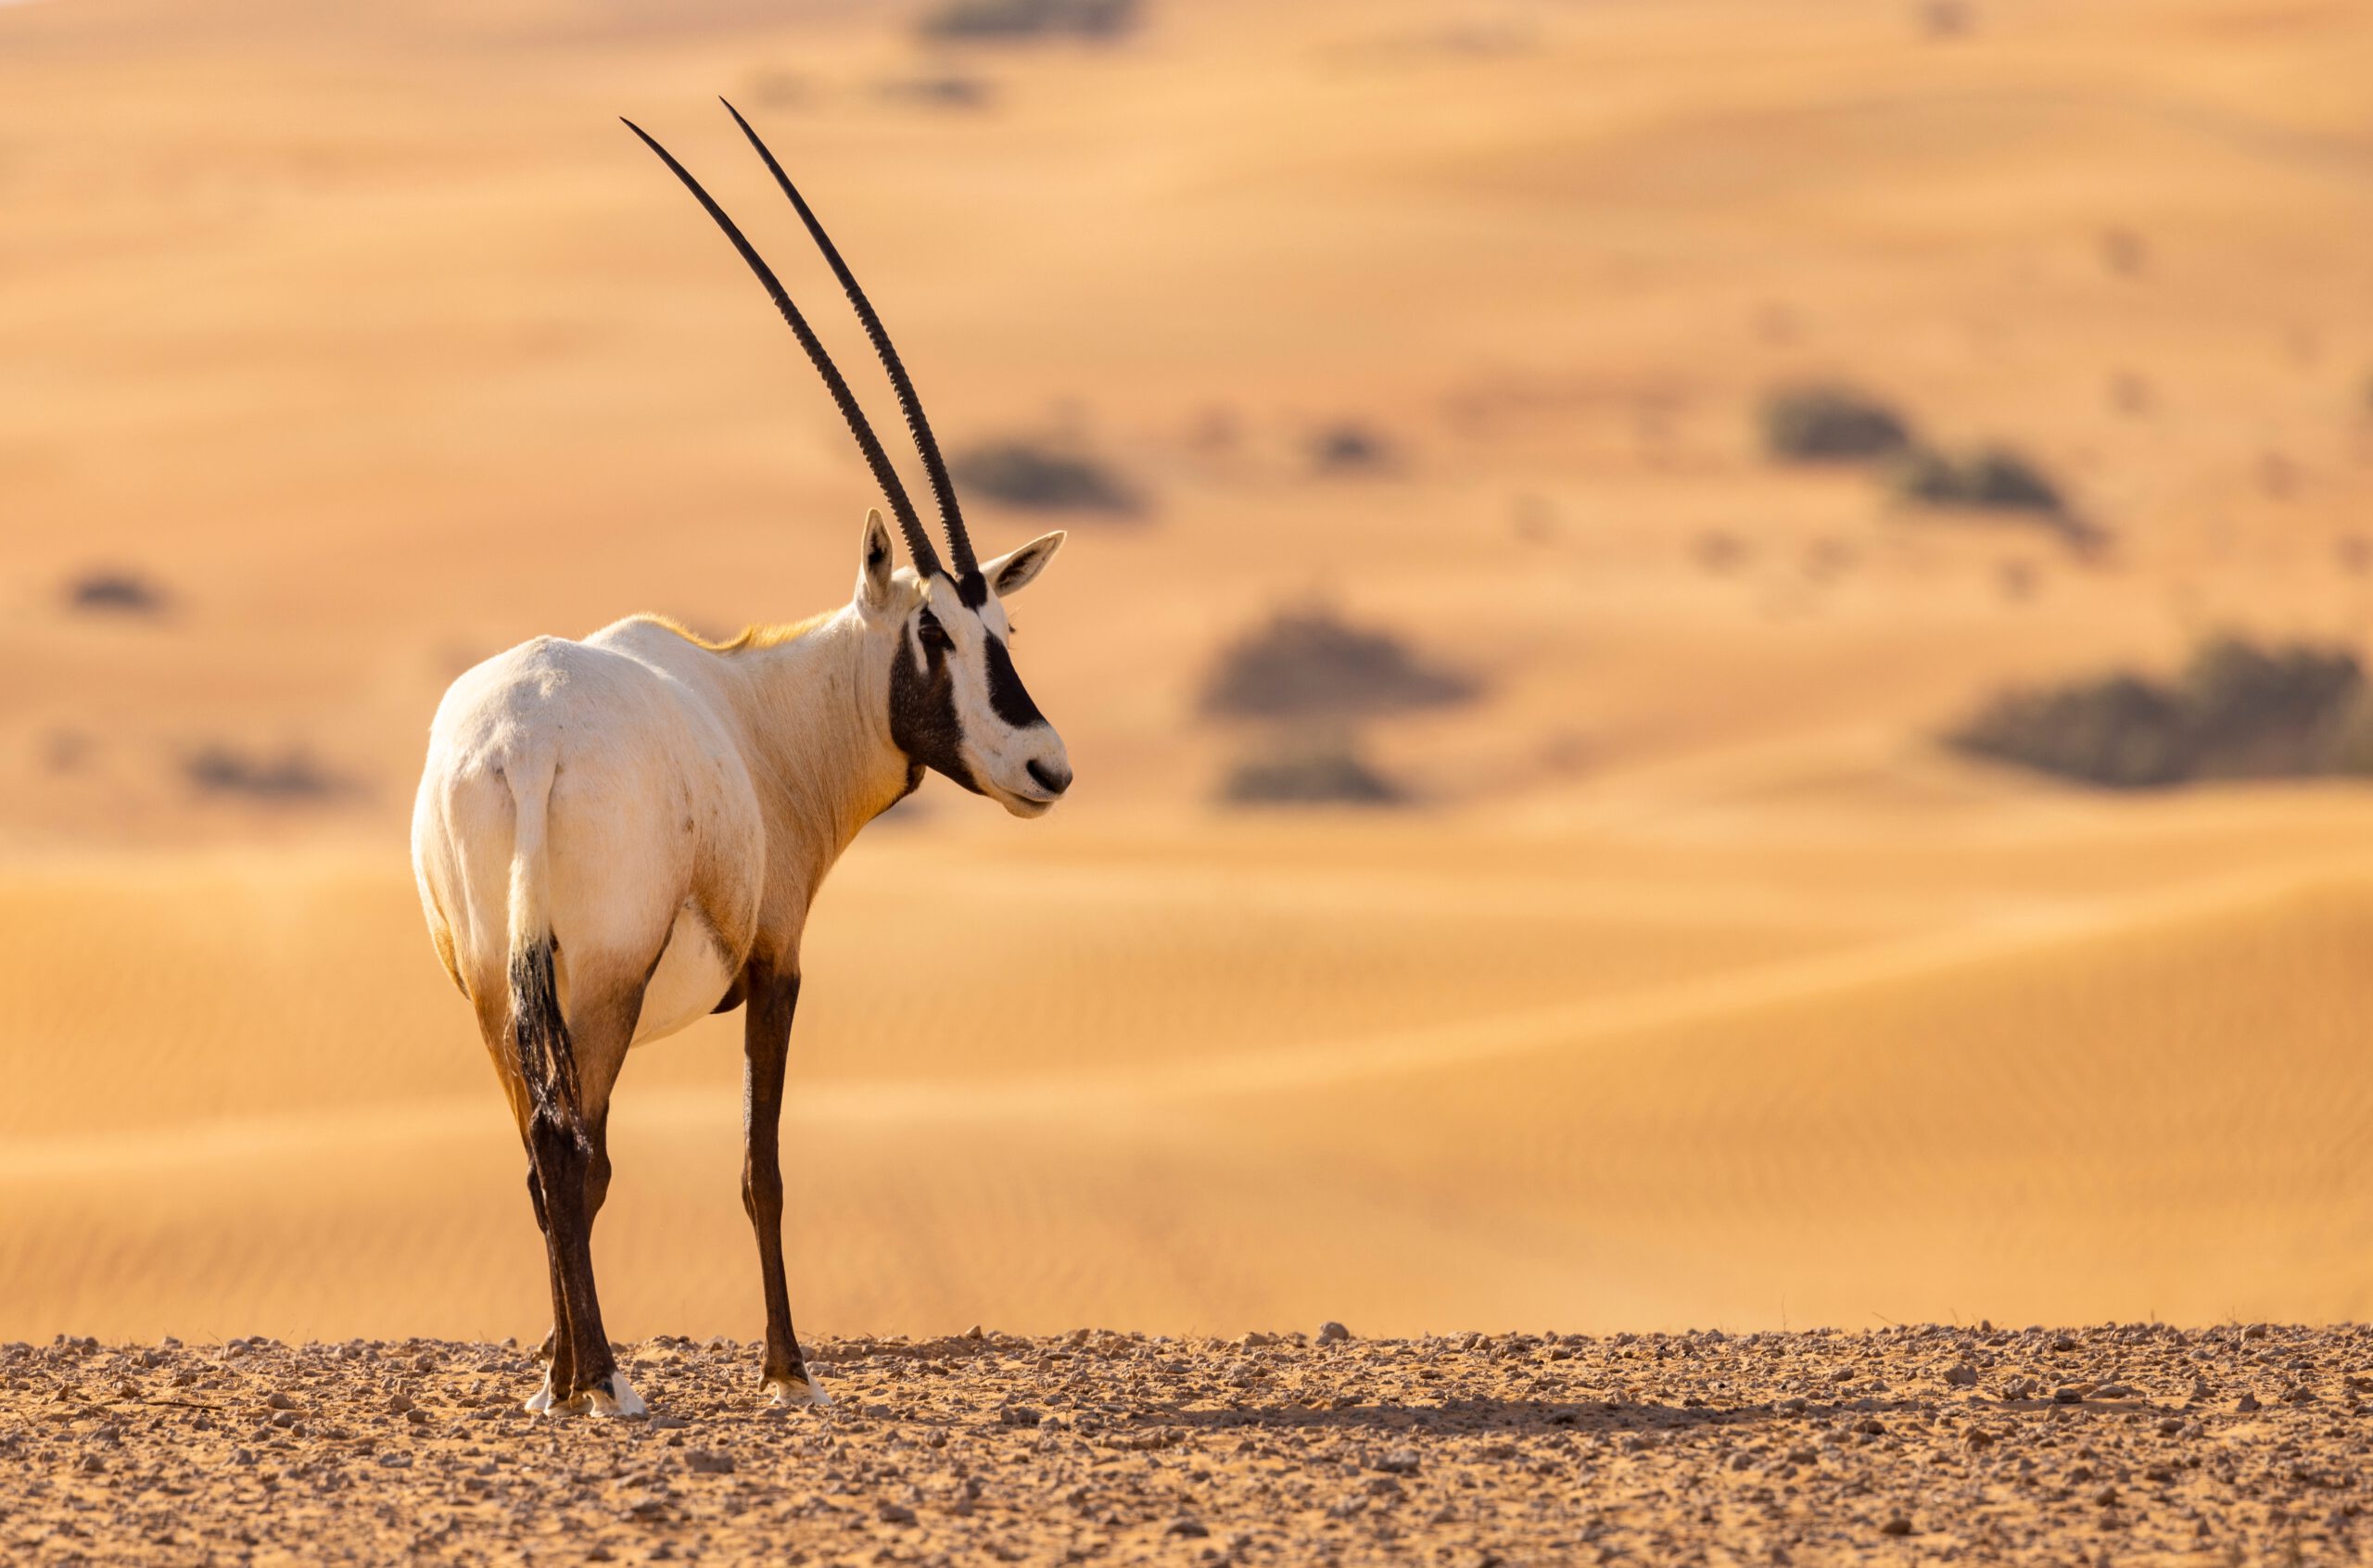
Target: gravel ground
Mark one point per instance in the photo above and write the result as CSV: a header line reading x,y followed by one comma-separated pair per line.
x,y
2130,1444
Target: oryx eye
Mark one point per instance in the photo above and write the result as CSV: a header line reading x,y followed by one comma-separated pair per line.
x,y
934,636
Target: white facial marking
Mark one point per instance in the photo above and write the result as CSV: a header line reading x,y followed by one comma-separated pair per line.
x,y
999,753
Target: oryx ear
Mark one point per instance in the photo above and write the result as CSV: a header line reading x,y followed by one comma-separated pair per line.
x,y
1012,572
873,573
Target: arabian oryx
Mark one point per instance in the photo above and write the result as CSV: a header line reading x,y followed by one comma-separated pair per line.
x,y
616,836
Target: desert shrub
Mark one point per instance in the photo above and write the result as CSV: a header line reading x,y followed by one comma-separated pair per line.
x,y
1025,474
1310,664
992,19
2119,731
286,780
1831,423
1326,772
1347,447
2237,711
114,592
1990,479
938,91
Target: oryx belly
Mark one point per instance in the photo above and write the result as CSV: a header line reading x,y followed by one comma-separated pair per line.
x,y
692,977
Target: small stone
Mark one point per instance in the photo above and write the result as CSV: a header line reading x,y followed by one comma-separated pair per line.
x,y
400,1403
707,1461
896,1514
1399,1461
974,1333
1332,1333
1962,1375
2246,1403
1898,1525
279,1401
668,1423
1194,1527
1017,1415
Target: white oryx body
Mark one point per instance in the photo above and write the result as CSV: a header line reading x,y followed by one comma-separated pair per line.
x,y
616,836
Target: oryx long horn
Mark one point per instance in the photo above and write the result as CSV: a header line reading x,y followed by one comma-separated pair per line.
x,y
918,543
951,516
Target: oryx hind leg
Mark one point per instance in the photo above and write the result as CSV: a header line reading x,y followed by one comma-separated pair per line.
x,y
565,1133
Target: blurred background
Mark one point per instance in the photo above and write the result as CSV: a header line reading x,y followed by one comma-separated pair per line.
x,y
1713,648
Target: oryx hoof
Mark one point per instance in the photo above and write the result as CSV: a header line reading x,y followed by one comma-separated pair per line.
x,y
788,1393
618,1400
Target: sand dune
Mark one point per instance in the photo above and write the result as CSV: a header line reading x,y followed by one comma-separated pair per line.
x,y
2042,1089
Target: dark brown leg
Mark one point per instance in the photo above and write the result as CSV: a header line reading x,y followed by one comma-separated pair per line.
x,y
556,1348
563,1163
766,1047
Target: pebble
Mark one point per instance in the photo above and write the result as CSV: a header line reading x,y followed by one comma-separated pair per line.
x,y
1333,1333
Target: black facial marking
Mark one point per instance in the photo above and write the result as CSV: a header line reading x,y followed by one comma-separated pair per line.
x,y
972,591
1007,695
923,710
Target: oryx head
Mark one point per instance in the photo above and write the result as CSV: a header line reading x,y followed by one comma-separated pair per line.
x,y
957,705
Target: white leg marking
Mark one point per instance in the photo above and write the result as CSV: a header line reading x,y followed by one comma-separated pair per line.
x,y
800,1390
618,1400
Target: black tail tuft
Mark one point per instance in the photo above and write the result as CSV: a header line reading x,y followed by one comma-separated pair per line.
x,y
540,1042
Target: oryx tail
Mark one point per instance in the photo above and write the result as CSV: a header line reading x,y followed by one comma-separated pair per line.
x,y
540,1043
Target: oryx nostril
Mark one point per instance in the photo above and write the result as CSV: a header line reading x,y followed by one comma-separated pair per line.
x,y
1054,780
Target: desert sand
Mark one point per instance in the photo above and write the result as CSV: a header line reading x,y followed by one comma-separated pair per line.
x,y
2136,1444
1698,986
